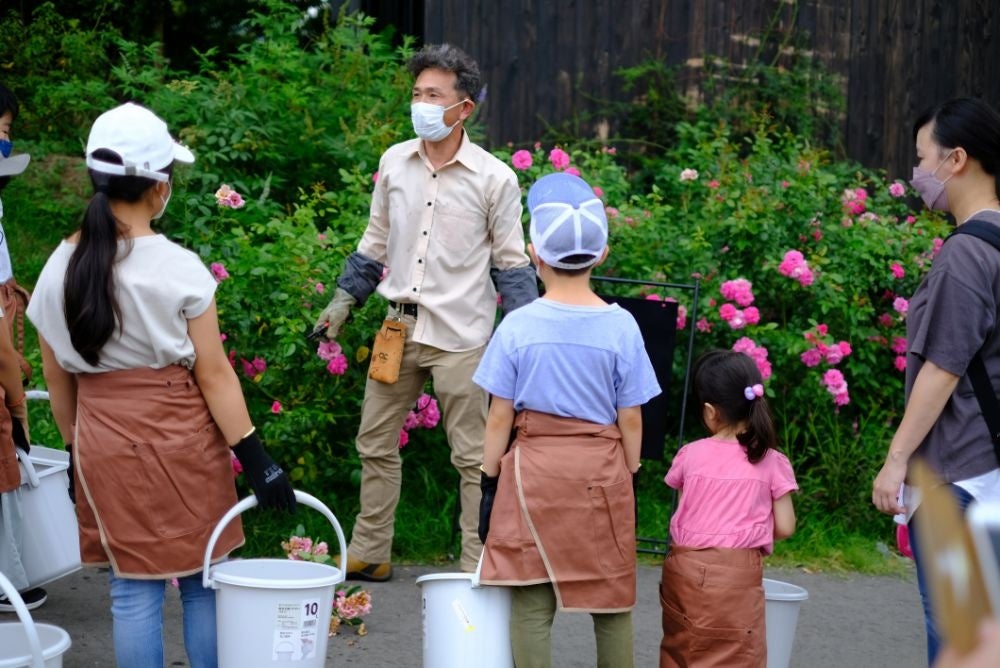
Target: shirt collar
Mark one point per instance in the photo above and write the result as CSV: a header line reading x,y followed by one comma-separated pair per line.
x,y
466,154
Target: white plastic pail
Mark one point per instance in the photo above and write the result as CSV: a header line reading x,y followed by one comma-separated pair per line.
x,y
781,615
273,612
26,644
464,625
51,545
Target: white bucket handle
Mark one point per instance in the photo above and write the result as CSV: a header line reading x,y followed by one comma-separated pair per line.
x,y
37,658
251,501
29,468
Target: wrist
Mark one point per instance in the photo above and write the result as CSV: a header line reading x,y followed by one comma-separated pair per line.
x,y
19,402
486,471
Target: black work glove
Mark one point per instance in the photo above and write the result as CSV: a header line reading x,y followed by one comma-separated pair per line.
x,y
269,483
18,436
489,487
72,479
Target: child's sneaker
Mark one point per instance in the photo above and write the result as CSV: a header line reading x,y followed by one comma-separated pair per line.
x,y
32,598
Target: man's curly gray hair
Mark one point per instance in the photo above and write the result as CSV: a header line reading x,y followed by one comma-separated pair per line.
x,y
450,59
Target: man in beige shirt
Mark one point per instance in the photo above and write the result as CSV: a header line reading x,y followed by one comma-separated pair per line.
x,y
445,219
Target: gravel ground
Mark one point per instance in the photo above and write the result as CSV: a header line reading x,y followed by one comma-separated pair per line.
x,y
849,620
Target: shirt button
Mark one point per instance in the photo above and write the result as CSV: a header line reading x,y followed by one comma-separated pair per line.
x,y
429,203
425,233
434,176
414,289
420,260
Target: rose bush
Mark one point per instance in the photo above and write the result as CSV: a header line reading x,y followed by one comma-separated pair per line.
x,y
804,262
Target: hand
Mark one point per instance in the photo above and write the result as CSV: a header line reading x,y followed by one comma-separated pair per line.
x,y
986,654
335,314
489,486
885,489
269,483
72,480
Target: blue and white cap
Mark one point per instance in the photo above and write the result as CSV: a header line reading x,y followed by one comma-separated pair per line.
x,y
567,220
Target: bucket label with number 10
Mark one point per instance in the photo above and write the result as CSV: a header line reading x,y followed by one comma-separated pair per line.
x,y
295,630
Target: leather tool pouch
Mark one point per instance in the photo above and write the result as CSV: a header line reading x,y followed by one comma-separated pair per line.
x,y
387,353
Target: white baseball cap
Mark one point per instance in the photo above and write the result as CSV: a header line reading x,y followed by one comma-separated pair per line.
x,y
140,137
14,165
567,219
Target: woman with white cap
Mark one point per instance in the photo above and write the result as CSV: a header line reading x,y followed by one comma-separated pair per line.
x,y
140,385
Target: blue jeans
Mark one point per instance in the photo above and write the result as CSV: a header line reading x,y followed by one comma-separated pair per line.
x,y
137,610
963,499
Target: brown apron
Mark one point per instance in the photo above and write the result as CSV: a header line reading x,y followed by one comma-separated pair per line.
x,y
713,608
565,513
10,473
153,474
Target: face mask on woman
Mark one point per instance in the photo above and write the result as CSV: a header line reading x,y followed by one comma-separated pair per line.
x,y
930,187
428,120
6,146
166,200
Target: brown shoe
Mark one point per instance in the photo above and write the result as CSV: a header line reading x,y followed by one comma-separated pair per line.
x,y
359,570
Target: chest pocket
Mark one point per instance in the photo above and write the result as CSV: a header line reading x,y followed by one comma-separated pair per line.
x,y
459,230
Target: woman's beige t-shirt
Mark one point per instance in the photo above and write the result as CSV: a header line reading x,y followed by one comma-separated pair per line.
x,y
160,286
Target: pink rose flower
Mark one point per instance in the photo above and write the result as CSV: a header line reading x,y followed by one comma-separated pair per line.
x,y
375,176
276,407
320,288
739,290
897,270
900,362
703,325
897,189
598,191
752,315
689,174
727,312
900,305
713,184
899,345
404,438
573,170
559,158
811,357
521,160
218,271
337,365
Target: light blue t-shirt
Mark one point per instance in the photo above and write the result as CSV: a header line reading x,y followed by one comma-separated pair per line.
x,y
582,362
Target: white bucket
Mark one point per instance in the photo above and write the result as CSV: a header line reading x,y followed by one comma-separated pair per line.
x,y
781,615
51,544
465,624
26,644
273,612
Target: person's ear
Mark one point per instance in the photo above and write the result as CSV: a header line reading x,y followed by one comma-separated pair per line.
x,y
533,255
468,106
604,256
959,158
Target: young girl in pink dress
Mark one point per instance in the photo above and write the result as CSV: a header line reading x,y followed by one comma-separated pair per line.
x,y
734,501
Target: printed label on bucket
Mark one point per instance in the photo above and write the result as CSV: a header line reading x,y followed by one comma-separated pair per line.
x,y
295,630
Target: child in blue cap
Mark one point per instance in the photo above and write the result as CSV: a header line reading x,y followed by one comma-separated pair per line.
x,y
570,373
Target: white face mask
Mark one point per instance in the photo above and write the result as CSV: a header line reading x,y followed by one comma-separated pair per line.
x,y
170,191
428,120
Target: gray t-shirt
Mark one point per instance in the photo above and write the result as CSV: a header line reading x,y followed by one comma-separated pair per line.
x,y
160,286
582,362
952,315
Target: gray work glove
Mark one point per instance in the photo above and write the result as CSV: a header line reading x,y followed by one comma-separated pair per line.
x,y
333,316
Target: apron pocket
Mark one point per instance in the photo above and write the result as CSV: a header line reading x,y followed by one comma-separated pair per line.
x,y
613,516
181,475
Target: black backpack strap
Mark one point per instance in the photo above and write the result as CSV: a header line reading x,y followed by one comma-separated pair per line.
x,y
980,379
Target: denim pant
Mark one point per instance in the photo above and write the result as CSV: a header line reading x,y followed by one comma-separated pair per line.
x,y
137,610
963,499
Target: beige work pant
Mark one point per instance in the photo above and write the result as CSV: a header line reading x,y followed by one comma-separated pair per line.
x,y
463,416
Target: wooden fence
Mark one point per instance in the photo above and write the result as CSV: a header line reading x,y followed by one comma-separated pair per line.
x,y
546,61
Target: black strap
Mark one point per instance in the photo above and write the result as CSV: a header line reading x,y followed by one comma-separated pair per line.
x,y
989,405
